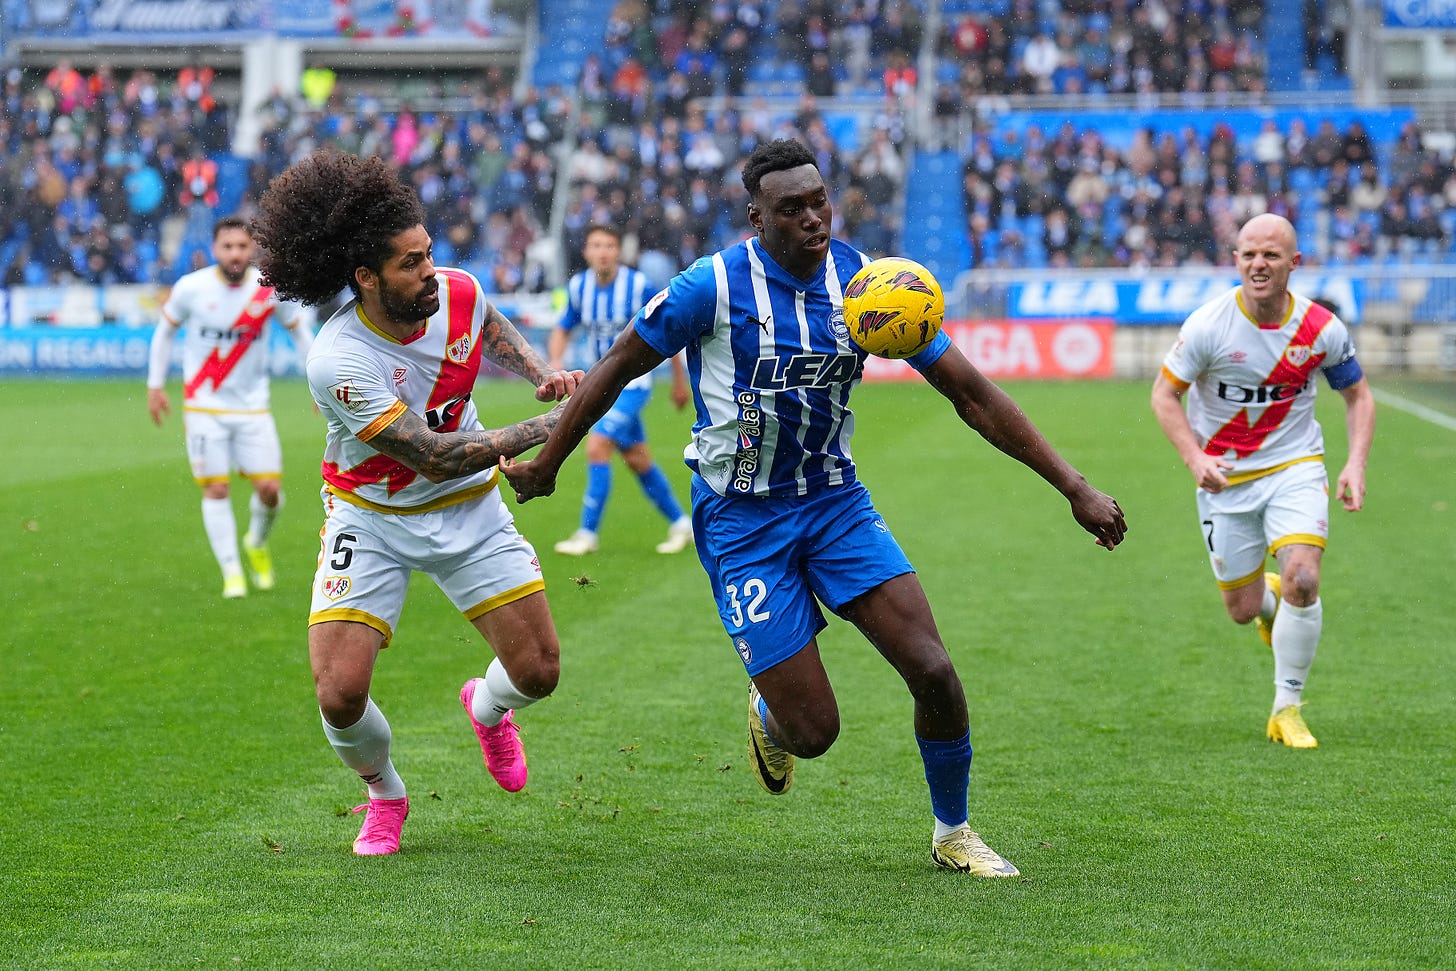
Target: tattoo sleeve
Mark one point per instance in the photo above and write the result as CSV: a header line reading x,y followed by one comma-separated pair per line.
x,y
506,346
449,455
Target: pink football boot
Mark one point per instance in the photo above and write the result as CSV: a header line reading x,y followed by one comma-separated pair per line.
x,y
505,757
382,822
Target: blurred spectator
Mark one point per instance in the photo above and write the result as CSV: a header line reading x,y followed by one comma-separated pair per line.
x,y
878,169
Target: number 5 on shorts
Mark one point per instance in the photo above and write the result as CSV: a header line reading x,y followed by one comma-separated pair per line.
x,y
343,551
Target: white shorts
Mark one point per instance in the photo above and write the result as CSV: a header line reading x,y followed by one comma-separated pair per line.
x,y
471,550
1245,523
220,444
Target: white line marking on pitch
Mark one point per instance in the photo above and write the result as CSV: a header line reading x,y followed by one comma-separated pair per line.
x,y
1420,411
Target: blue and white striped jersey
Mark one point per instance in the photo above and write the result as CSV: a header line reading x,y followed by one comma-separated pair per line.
x,y
771,366
604,311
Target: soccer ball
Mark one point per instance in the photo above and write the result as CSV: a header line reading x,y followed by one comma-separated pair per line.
x,y
893,307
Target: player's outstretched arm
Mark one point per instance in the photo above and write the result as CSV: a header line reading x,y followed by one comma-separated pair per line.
x,y
629,357
999,420
159,357
681,392
449,455
1360,432
1207,470
506,346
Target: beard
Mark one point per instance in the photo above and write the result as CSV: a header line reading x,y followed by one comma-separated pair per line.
x,y
407,310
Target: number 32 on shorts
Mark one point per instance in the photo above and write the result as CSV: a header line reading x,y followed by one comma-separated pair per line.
x,y
751,604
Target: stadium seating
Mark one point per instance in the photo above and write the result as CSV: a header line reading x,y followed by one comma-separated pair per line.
x,y
667,148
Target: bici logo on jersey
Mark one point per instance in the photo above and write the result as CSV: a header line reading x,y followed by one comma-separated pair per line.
x,y
1262,395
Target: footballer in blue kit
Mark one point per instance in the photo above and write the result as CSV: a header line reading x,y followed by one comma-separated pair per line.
x,y
781,522
600,301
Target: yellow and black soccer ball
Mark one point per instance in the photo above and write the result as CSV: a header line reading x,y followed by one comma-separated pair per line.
x,y
893,307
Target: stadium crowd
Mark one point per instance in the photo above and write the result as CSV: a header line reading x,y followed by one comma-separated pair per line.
x,y
117,179
1069,199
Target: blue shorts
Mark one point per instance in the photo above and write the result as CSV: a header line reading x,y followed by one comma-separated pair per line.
x,y
771,562
623,423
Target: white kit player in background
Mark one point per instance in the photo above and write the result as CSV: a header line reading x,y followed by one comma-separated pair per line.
x,y
1247,362
224,312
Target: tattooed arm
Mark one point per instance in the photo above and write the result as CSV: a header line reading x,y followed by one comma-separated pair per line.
x,y
449,455
505,345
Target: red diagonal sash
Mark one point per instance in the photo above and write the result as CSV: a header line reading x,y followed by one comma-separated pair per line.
x,y
246,329
455,381
1292,370
460,364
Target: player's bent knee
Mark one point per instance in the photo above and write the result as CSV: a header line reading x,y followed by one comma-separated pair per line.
x,y
817,741
1242,614
810,735
536,675
932,672
341,703
1301,588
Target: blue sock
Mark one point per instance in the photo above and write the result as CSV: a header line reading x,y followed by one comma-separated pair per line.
x,y
948,771
763,718
598,487
659,490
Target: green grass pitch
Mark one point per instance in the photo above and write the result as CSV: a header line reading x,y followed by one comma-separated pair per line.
x,y
170,801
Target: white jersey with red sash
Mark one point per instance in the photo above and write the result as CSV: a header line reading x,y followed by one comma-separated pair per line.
x,y
1251,388
363,380
224,355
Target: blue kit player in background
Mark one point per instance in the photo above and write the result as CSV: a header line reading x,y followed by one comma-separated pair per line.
x,y
782,523
601,300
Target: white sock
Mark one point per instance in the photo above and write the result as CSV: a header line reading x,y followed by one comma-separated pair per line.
x,y
364,747
497,696
222,534
1296,635
260,522
1270,606
942,830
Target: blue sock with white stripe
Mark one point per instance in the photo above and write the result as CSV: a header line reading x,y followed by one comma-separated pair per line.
x,y
659,490
598,488
948,771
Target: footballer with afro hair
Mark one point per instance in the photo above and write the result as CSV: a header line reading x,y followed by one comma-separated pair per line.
x,y
324,217
409,467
